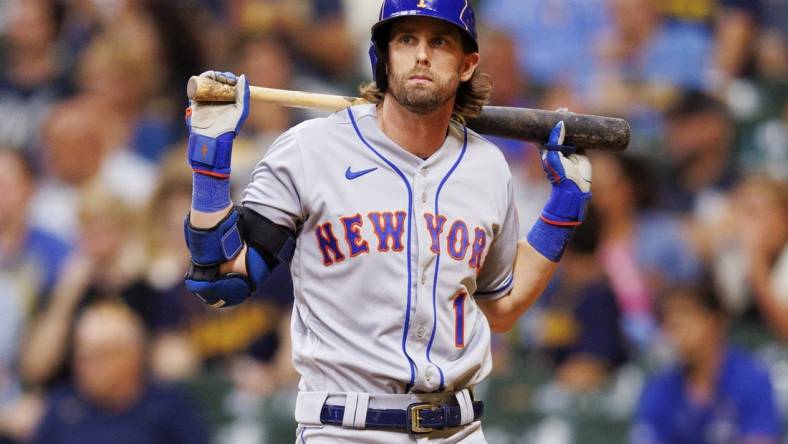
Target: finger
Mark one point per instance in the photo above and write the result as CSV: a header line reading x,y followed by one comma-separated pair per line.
x,y
227,78
557,134
551,163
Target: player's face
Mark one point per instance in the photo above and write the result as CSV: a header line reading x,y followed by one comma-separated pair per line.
x,y
426,63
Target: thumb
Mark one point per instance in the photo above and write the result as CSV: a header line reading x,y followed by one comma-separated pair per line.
x,y
557,134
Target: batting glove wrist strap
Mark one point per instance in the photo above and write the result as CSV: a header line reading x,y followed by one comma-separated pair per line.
x,y
550,240
566,206
211,156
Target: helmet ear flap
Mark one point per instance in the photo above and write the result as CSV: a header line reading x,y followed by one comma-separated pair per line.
x,y
379,69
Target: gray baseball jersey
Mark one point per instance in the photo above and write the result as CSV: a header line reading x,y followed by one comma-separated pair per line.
x,y
392,252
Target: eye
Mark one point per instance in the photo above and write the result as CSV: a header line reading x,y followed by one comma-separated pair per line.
x,y
439,41
405,39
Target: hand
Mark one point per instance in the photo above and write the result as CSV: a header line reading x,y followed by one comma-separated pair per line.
x,y
213,126
571,178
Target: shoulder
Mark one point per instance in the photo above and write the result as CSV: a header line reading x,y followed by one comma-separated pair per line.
x,y
317,132
744,371
485,152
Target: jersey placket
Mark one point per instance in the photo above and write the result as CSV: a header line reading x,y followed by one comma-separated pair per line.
x,y
428,374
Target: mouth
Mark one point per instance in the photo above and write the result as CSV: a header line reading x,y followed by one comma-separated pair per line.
x,y
420,77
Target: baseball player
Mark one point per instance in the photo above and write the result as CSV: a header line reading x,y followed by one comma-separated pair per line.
x,y
400,231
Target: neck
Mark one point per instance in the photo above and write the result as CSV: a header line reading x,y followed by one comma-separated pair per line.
x,y
419,134
704,369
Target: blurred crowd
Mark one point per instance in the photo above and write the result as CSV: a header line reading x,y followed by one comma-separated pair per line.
x,y
685,245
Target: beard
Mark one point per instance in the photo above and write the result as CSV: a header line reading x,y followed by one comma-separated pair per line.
x,y
423,98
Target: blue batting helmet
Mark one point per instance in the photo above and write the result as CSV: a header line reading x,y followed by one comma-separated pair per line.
x,y
457,12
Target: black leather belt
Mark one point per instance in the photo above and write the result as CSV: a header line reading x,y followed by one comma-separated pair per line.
x,y
420,417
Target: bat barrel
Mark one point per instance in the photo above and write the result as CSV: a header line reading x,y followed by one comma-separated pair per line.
x,y
582,130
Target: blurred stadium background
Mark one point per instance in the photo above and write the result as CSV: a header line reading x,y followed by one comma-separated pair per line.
x,y
95,186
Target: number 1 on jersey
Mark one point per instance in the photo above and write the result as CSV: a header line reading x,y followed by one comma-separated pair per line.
x,y
459,319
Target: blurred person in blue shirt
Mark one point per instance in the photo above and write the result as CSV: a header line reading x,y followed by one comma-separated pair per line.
x,y
24,249
110,399
715,392
30,262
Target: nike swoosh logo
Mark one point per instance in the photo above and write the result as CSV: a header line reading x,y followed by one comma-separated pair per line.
x,y
350,175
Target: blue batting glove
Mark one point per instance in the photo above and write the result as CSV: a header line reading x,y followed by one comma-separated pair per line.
x,y
571,179
570,175
213,126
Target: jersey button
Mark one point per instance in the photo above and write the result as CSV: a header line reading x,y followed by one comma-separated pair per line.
x,y
424,171
424,197
429,373
421,331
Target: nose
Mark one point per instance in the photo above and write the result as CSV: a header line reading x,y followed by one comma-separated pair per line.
x,y
422,54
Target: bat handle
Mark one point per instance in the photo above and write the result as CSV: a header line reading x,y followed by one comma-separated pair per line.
x,y
203,89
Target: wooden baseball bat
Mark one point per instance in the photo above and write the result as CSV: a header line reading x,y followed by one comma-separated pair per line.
x,y
533,125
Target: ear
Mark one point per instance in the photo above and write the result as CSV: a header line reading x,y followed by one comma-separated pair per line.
x,y
469,64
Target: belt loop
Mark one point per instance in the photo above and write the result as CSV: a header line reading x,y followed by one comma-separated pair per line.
x,y
361,411
349,416
466,406
309,406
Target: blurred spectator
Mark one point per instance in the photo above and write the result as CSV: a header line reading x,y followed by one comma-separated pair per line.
x,y
322,52
748,249
571,25
30,262
122,66
715,393
105,265
643,58
642,250
32,75
698,140
737,25
577,321
29,255
110,398
76,139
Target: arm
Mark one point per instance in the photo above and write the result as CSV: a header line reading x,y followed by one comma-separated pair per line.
x,y
532,272
232,249
47,342
537,257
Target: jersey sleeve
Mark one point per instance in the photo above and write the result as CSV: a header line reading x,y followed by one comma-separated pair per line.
x,y
277,184
495,277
